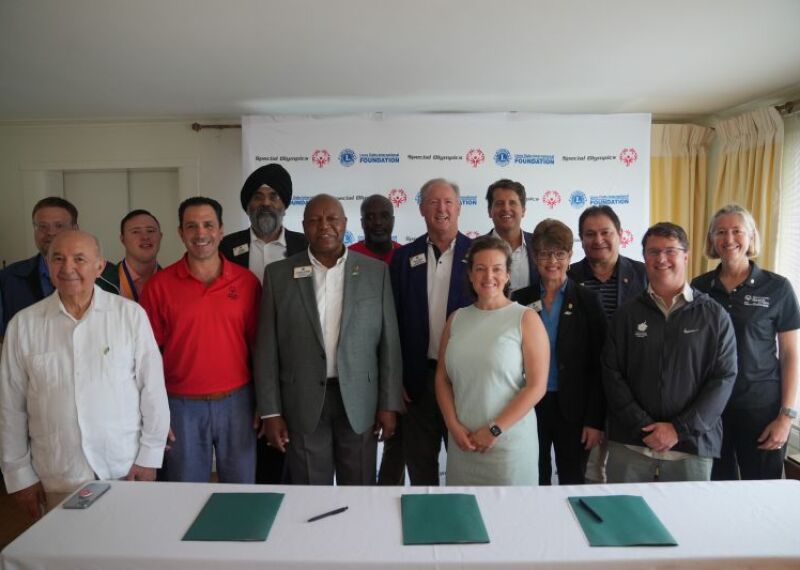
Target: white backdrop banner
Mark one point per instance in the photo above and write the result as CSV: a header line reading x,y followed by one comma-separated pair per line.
x,y
565,162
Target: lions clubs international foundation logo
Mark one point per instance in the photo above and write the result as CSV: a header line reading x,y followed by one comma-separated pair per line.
x,y
475,157
628,156
551,198
397,196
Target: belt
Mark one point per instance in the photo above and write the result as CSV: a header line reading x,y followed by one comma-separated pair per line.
x,y
332,380
210,397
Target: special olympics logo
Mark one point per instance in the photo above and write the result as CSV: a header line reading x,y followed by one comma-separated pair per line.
x,y
551,198
475,157
472,234
347,157
321,157
577,199
397,196
626,238
502,157
628,156
349,238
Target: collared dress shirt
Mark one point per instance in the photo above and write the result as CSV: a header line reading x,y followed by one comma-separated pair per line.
x,y
80,398
263,253
329,292
439,270
520,265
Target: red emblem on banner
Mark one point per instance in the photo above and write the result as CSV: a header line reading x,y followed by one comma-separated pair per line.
x,y
628,156
472,234
397,196
475,157
321,157
551,198
626,238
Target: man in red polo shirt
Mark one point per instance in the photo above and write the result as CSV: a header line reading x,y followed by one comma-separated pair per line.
x,y
377,221
203,311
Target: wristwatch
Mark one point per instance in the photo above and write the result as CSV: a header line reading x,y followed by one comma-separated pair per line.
x,y
495,430
788,412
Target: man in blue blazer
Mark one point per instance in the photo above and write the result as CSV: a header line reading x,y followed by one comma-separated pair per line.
x,y
26,282
506,201
429,282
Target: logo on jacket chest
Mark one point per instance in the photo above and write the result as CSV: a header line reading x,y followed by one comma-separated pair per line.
x,y
756,301
641,330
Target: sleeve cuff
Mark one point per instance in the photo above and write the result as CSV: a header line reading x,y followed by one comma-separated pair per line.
x,y
20,479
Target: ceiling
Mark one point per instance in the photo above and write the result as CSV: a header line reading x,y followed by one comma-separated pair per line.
x,y
135,59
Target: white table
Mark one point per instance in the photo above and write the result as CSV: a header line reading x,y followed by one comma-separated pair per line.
x,y
140,525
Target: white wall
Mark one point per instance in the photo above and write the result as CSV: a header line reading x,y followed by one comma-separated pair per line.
x,y
209,164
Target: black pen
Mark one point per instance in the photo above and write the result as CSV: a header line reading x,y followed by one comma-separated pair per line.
x,y
328,514
592,512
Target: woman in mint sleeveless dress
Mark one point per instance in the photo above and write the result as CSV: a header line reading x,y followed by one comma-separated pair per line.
x,y
492,370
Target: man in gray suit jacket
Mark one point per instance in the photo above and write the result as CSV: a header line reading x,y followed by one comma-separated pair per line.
x,y
327,360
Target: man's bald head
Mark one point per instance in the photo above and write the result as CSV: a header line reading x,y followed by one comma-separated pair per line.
x,y
325,224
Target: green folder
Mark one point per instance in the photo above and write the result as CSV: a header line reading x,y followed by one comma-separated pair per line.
x,y
235,517
627,521
444,518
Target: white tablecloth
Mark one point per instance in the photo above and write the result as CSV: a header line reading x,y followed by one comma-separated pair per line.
x,y
140,525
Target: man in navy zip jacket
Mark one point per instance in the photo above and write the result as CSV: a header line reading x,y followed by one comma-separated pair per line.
x,y
669,364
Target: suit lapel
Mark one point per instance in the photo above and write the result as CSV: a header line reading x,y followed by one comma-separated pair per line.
x,y
567,316
351,280
306,286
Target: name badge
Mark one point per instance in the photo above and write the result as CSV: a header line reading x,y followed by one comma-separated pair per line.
x,y
303,272
536,306
239,250
418,259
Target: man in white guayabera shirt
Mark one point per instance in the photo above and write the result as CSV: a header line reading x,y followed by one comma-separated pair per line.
x,y
81,385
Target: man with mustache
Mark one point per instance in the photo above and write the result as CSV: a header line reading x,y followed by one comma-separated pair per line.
x,y
265,195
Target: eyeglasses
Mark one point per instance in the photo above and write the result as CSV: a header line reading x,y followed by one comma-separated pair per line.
x,y
655,253
558,254
44,227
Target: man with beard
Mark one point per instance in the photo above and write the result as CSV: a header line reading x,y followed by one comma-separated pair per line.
x,y
377,221
265,195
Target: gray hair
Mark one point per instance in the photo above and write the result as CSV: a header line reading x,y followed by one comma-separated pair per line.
x,y
749,224
433,182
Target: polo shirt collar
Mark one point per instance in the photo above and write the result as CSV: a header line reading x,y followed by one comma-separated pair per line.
x,y
184,273
753,279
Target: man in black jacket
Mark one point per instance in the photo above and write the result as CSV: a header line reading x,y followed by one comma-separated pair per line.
x,y
669,364
265,195
614,277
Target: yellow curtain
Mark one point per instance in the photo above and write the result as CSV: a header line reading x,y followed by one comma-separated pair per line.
x,y
749,172
678,183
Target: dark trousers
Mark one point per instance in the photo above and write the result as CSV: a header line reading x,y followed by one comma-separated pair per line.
x,y
393,462
333,447
564,437
270,464
423,432
740,456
